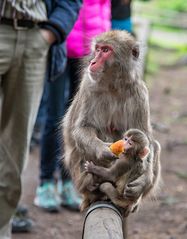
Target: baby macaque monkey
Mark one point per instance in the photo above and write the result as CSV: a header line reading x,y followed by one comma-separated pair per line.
x,y
132,163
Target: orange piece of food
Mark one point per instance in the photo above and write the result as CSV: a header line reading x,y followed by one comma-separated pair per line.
x,y
117,147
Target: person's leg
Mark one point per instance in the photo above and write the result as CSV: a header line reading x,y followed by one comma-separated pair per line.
x,y
7,47
70,197
71,77
40,120
5,231
20,220
74,71
124,24
52,150
51,146
22,85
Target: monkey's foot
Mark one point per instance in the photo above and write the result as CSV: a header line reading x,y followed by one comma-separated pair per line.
x,y
130,209
93,187
85,204
133,190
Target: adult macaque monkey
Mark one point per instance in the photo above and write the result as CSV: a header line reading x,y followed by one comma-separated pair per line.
x,y
112,98
131,164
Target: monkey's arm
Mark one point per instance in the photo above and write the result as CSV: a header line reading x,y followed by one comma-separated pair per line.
x,y
140,118
156,169
86,138
149,179
103,173
120,167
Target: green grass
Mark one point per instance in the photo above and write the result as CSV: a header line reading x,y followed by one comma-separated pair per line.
x,y
168,44
172,29
176,5
160,56
161,51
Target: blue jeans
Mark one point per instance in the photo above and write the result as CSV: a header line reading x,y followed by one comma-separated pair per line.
x,y
53,106
51,112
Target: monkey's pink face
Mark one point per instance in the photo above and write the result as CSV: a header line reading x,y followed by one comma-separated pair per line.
x,y
102,54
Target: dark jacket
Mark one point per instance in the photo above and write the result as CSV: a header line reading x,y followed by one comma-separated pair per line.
x,y
121,10
62,15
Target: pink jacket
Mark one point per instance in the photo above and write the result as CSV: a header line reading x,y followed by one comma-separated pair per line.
x,y
94,18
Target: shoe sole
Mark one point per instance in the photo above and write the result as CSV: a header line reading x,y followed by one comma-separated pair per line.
x,y
70,207
27,227
47,209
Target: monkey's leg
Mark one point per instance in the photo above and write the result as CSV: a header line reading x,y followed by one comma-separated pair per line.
x,y
113,195
89,198
135,189
128,205
85,201
147,181
86,182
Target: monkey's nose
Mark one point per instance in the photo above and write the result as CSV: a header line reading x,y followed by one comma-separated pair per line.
x,y
92,62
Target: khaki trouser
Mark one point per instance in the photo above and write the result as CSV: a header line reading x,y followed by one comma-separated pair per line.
x,y
23,57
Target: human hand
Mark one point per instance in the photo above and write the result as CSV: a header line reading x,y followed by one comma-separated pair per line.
x,y
48,35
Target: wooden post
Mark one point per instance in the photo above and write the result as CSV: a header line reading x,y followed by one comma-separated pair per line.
x,y
103,221
143,28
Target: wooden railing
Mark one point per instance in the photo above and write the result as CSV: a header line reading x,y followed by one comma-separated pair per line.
x,y
103,221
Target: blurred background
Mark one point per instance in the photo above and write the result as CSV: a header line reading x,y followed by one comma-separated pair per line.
x,y
161,28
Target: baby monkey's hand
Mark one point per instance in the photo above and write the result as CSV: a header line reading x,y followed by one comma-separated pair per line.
x,y
89,166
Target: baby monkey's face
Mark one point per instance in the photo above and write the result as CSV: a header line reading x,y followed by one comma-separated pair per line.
x,y
131,146
128,142
135,145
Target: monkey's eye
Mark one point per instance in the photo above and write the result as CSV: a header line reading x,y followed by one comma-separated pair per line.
x,y
105,49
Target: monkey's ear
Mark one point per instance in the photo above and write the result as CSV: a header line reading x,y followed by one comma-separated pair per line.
x,y
136,51
144,153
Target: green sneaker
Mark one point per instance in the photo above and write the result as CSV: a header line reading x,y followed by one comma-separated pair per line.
x,y
70,197
47,197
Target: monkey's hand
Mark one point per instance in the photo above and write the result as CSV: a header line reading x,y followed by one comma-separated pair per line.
x,y
104,153
136,188
89,167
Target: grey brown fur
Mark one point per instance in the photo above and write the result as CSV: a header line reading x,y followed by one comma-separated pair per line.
x,y
107,104
130,165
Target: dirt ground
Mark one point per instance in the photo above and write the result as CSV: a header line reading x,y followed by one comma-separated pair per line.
x,y
165,218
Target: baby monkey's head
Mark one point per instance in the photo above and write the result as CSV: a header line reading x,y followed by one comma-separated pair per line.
x,y
136,144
